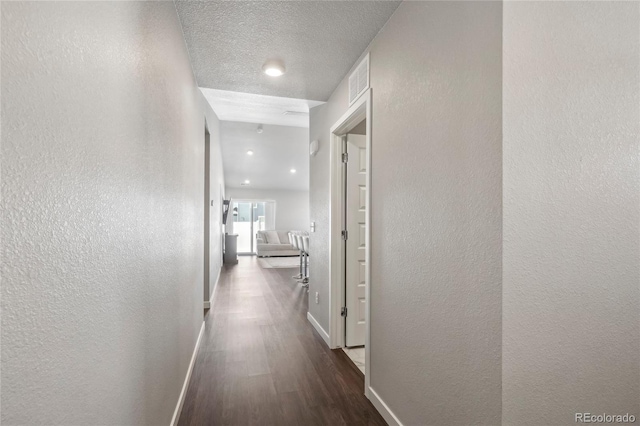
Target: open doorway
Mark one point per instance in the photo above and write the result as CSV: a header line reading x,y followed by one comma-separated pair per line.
x,y
350,235
249,217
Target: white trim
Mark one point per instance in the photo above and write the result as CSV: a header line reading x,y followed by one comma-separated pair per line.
x,y
361,109
336,255
355,114
383,408
318,328
367,250
185,386
209,303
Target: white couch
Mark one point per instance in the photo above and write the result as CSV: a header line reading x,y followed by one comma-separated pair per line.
x,y
275,243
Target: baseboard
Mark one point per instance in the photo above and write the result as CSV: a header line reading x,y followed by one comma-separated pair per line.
x,y
209,303
185,386
319,329
383,408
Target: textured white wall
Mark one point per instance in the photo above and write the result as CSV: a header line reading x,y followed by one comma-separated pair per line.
x,y
217,194
436,212
321,119
292,207
571,331
102,204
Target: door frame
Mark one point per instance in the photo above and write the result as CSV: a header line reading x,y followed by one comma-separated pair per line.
x,y
207,290
358,111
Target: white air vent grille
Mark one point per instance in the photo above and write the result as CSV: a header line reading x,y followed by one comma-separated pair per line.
x,y
359,80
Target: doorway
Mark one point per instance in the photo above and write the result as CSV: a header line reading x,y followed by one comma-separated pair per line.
x,y
350,234
248,218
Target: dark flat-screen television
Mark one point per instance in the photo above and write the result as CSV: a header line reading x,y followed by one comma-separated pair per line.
x,y
225,210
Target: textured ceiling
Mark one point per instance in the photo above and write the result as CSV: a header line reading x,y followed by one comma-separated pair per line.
x,y
277,150
246,107
319,42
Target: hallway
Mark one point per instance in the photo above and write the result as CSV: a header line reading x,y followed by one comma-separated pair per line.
x,y
261,362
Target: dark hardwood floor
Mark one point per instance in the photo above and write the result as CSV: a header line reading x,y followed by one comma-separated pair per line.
x,y
262,363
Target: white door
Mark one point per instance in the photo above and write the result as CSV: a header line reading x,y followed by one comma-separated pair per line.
x,y
356,196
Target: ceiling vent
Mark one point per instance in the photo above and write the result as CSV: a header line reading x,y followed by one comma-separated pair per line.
x,y
359,80
296,113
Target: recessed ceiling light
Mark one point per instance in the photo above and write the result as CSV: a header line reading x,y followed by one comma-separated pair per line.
x,y
292,170
247,182
249,152
273,68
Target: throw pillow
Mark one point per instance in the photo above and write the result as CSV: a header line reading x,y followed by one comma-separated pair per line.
x,y
272,237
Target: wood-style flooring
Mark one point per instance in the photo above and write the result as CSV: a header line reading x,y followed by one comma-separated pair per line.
x,y
262,363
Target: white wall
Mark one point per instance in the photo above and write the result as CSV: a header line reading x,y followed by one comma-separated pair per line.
x,y
566,260
216,194
436,212
292,207
571,324
102,204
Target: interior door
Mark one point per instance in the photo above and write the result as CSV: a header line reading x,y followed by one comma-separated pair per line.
x,y
355,282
